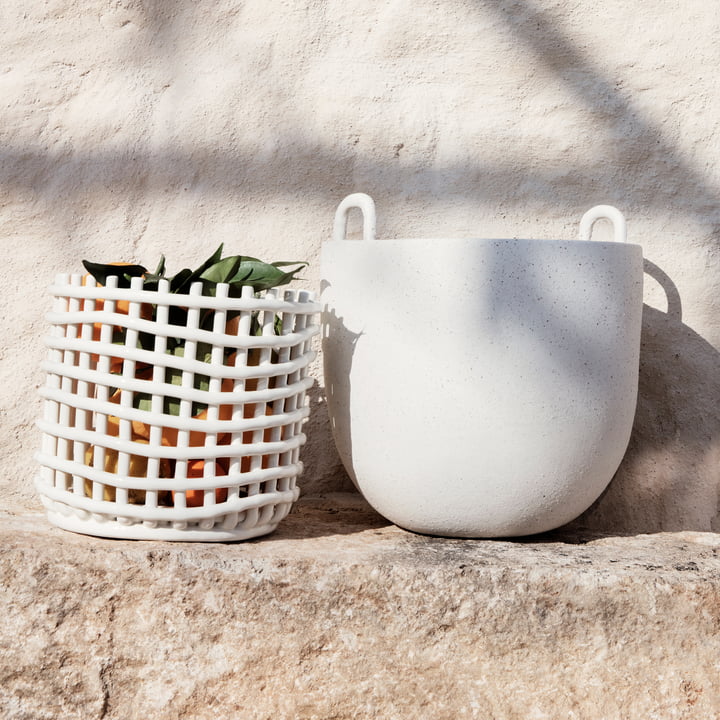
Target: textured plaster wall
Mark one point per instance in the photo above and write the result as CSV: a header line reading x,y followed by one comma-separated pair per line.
x,y
132,128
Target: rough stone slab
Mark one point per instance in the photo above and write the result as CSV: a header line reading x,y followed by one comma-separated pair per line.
x,y
341,615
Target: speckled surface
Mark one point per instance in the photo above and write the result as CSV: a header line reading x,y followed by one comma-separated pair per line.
x,y
481,387
340,615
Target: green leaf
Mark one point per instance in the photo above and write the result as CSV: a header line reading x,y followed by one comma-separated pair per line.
x,y
215,257
262,276
160,272
173,376
151,281
101,272
285,263
220,272
203,352
142,401
146,341
236,270
180,280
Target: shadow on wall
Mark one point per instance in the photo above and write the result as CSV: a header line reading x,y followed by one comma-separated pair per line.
x,y
643,167
668,479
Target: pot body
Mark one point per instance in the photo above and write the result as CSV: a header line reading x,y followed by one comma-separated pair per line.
x,y
481,388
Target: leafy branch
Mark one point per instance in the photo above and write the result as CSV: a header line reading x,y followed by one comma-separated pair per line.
x,y
237,271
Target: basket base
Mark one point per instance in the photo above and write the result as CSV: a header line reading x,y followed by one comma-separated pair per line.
x,y
138,531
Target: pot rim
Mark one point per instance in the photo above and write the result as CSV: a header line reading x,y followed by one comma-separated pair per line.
x,y
484,240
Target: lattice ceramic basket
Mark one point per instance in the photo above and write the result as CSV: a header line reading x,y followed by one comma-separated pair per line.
x,y
198,445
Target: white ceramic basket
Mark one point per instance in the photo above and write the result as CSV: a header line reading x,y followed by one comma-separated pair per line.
x,y
481,387
116,462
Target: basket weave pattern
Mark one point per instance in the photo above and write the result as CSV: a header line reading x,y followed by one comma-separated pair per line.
x,y
202,444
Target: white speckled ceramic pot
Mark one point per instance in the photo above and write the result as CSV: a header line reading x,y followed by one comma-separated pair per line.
x,y
481,388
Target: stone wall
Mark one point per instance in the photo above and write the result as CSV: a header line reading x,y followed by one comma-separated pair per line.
x,y
130,129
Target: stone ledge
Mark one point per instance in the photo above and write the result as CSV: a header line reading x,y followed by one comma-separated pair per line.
x,y
340,615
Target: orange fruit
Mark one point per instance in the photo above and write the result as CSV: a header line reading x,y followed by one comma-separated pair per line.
x,y
137,468
140,432
196,469
253,359
123,308
197,437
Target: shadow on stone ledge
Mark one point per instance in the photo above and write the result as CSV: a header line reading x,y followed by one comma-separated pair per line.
x,y
315,516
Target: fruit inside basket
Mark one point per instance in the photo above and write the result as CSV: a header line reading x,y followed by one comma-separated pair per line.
x,y
174,404
236,272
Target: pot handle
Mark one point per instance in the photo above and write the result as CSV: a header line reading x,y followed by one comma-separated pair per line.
x,y
606,212
366,205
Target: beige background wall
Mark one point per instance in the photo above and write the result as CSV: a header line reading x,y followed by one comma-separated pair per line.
x,y
132,128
